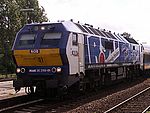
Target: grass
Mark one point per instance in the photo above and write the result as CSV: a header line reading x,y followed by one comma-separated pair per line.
x,y
7,75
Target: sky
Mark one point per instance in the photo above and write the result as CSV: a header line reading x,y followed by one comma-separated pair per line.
x,y
132,16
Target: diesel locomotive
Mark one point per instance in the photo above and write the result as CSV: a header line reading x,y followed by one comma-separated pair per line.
x,y
59,55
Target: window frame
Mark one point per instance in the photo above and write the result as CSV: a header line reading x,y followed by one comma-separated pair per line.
x,y
74,39
42,44
109,45
29,39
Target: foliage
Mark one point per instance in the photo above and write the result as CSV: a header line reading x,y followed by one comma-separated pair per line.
x,y
11,20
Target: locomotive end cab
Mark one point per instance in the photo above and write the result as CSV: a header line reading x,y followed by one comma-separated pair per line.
x,y
40,56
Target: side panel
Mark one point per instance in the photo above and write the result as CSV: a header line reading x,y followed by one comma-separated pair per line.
x,y
111,52
135,53
124,52
104,50
72,55
101,50
92,49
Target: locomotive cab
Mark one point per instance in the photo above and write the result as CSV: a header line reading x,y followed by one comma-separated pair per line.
x,y
42,53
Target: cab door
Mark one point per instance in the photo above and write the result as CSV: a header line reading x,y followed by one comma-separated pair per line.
x,y
75,53
81,57
72,53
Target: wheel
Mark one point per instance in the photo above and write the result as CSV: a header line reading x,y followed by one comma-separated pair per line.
x,y
29,90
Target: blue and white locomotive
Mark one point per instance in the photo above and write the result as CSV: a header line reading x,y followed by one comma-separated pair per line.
x,y
59,55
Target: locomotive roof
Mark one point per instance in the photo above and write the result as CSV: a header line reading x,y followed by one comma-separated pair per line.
x,y
89,30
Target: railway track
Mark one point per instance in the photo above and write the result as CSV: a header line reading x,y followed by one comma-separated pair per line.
x,y
50,105
36,105
28,107
139,103
11,103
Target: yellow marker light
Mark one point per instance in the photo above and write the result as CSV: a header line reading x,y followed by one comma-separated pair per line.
x,y
58,69
18,70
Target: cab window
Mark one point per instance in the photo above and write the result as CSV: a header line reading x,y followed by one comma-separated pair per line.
x,y
26,41
133,47
74,39
50,39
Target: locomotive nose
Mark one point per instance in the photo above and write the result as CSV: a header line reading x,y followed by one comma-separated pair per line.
x,y
41,57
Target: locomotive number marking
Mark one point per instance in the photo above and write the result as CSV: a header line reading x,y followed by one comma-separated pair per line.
x,y
34,51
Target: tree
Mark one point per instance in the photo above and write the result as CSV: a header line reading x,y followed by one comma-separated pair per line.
x,y
12,19
38,15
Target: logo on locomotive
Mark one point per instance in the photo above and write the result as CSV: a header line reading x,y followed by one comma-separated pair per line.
x,y
100,50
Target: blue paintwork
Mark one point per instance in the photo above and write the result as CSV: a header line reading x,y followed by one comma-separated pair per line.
x,y
58,27
124,51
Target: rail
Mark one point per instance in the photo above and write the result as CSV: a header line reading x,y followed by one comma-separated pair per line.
x,y
118,105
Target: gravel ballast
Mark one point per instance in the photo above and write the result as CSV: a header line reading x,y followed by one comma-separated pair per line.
x,y
103,104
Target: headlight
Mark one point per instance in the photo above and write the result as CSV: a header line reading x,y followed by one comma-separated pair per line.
x,y
53,69
58,69
42,28
18,70
23,70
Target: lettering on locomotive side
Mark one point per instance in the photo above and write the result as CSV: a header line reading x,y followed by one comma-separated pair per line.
x,y
39,70
32,70
90,66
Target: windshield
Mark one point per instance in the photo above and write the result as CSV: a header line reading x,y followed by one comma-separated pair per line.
x,y
26,41
50,39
